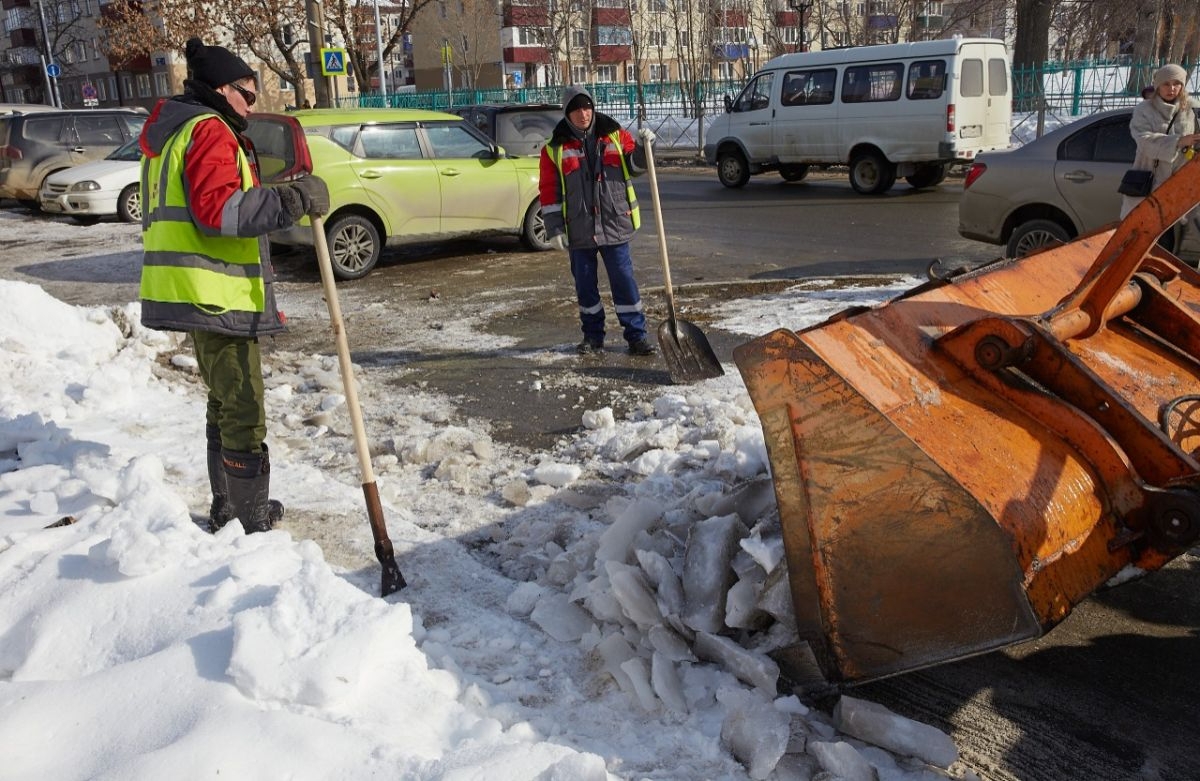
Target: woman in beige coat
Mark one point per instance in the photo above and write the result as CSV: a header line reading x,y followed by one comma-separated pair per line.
x,y
1160,149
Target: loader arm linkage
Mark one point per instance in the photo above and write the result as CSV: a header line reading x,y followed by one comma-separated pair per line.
x,y
957,468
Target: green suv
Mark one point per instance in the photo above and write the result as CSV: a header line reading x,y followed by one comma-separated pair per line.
x,y
400,176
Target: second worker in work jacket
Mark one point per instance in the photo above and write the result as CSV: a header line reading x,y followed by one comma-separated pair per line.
x,y
587,191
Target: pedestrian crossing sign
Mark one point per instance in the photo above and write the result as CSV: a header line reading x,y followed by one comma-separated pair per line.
x,y
333,62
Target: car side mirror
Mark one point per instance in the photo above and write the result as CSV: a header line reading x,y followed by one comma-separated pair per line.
x,y
728,105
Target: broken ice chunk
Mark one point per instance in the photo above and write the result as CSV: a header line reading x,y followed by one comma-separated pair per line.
x,y
875,724
707,574
754,730
665,679
767,553
755,669
842,760
561,619
670,645
741,606
668,590
637,603
615,541
635,668
614,651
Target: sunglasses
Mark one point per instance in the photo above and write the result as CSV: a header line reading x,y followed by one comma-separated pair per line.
x,y
246,94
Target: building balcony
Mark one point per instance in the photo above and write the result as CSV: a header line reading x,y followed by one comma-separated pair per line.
x,y
731,51
882,21
526,16
787,18
7,4
610,17
729,18
524,54
608,54
24,57
23,36
926,22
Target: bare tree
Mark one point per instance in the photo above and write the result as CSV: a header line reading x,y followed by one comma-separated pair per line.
x,y
355,23
263,27
473,36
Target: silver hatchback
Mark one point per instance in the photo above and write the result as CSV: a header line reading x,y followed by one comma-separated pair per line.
x,y
1050,190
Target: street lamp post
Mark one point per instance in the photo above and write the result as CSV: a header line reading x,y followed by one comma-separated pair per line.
x,y
802,7
379,46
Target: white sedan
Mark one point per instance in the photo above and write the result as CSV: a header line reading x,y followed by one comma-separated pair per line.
x,y
97,189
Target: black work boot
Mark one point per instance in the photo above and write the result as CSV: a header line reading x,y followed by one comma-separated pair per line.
x,y
249,479
219,513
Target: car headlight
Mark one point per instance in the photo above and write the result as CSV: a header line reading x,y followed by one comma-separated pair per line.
x,y
85,186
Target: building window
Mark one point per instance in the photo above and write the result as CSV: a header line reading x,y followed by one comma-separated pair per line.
x,y
730,35
101,90
162,85
127,85
656,38
789,34
614,36
143,82
579,74
658,6
685,39
685,72
531,36
660,72
725,70
606,74
579,38
630,74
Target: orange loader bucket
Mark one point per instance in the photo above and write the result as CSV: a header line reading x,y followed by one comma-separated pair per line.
x,y
959,467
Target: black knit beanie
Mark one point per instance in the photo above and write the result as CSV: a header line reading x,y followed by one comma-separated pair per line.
x,y
579,101
215,66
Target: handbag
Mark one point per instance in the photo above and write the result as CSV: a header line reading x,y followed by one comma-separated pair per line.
x,y
1138,183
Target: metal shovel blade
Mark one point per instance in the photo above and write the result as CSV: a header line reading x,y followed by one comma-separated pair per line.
x,y
687,353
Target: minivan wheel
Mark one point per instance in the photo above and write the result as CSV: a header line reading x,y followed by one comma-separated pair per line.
x,y
871,173
732,169
129,203
927,175
354,246
1034,235
793,173
533,230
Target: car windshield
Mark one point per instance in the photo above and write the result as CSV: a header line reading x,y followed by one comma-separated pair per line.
x,y
529,126
130,151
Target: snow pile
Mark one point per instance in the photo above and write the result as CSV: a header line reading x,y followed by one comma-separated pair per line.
x,y
646,552
678,587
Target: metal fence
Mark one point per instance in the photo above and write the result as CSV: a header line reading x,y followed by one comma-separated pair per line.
x,y
1048,95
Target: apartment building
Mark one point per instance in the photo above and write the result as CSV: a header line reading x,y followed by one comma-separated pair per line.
x,y
534,43
74,71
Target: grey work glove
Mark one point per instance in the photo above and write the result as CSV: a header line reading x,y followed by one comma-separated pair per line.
x,y
559,241
306,195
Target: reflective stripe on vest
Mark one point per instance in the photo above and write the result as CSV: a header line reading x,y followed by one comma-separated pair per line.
x,y
183,265
557,153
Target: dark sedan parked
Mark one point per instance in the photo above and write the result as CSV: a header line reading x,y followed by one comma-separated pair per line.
x,y
521,128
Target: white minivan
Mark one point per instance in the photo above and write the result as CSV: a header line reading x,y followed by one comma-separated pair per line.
x,y
901,109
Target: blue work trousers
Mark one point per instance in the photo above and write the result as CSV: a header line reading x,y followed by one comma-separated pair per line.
x,y
628,303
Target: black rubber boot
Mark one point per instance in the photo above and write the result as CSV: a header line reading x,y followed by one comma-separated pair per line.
x,y
249,479
219,513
